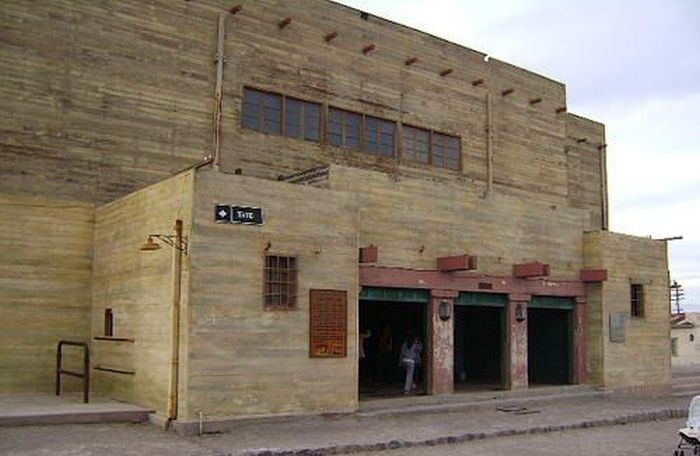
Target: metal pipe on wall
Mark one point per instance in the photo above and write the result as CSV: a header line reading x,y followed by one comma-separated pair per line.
x,y
175,325
489,144
218,92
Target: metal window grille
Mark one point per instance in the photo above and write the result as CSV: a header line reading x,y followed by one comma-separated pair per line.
x,y
637,300
280,284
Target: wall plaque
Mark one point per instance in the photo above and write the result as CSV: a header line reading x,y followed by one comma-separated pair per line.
x,y
328,323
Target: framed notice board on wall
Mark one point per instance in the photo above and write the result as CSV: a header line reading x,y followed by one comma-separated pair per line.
x,y
328,324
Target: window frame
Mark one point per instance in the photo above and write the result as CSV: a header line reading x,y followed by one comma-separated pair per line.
x,y
302,117
261,114
325,116
283,116
343,133
637,301
402,149
379,133
288,289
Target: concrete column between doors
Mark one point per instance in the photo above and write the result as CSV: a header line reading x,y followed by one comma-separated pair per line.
x,y
441,344
580,371
515,350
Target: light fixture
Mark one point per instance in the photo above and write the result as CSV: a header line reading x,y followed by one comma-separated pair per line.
x,y
150,245
519,313
444,311
177,242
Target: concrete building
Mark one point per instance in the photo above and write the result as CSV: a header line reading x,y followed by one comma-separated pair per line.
x,y
281,139
685,350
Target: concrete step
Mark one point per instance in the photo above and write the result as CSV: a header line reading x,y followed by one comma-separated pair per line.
x,y
22,410
690,389
685,381
681,372
474,400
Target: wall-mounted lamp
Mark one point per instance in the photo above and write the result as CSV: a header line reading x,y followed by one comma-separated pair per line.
x,y
178,242
519,313
444,310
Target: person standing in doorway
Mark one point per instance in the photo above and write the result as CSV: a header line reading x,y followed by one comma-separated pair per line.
x,y
409,358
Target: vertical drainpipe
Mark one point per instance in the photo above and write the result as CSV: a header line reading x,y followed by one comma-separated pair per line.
x,y
218,93
175,325
489,145
604,188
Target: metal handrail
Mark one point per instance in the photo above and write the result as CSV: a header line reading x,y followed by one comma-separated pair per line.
x,y
85,375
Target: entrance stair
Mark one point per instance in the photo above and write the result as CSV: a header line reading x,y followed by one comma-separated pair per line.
x,y
32,409
685,381
475,400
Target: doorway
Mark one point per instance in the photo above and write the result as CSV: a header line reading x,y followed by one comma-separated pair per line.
x,y
550,340
387,317
479,341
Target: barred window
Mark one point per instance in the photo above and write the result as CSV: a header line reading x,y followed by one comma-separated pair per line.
x,y
637,300
445,151
302,119
262,111
379,136
344,128
280,283
415,144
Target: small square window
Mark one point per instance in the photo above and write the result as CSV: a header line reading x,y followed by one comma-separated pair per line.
x,y
280,283
637,300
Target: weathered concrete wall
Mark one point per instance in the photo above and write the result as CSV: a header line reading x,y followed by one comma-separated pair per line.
x,y
528,139
101,99
138,287
413,221
245,360
45,269
642,361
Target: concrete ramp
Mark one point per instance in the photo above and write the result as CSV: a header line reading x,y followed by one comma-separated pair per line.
x,y
31,409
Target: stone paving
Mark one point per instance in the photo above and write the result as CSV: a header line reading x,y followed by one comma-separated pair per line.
x,y
654,438
349,433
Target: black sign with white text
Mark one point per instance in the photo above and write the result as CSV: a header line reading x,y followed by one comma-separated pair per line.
x,y
224,213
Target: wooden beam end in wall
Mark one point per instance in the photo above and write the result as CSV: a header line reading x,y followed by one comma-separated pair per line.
x,y
284,22
369,48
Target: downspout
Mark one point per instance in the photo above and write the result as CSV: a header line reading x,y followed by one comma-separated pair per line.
x,y
175,325
604,187
218,92
489,145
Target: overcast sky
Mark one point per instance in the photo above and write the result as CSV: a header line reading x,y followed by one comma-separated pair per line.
x,y
633,65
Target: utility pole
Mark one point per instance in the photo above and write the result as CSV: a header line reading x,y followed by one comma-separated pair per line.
x,y
677,295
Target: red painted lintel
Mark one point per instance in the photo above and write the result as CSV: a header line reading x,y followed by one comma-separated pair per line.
x,y
535,269
594,275
381,276
456,263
